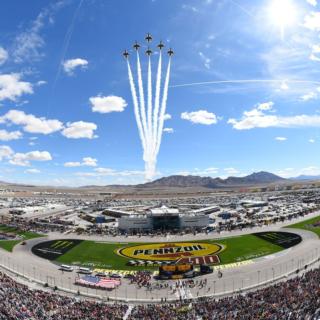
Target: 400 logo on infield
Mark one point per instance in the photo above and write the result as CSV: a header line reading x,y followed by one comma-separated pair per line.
x,y
181,252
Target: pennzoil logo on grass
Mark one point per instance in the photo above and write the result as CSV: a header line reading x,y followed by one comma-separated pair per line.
x,y
169,251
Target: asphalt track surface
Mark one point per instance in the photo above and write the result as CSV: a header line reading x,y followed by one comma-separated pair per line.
x,y
259,272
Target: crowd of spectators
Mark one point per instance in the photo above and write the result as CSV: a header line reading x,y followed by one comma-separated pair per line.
x,y
297,298
17,302
141,279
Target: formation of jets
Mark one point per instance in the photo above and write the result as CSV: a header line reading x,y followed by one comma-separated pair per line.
x,y
148,37
136,46
160,45
148,52
126,54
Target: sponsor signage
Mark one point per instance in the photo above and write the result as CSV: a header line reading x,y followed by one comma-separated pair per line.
x,y
211,259
170,251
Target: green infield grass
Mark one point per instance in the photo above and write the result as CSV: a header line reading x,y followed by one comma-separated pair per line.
x,y
312,224
103,254
9,244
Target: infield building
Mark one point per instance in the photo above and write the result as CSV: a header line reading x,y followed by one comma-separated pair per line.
x,y
164,218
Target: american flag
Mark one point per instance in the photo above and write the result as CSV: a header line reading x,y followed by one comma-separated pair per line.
x,y
98,282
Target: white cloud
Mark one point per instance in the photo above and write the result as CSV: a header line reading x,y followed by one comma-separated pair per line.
x,y
258,119
168,130
86,162
312,21
7,136
200,117
105,171
28,43
312,140
5,152
3,56
72,164
291,172
167,116
312,2
24,159
80,129
89,162
311,170
183,173
280,138
32,171
31,123
12,88
205,172
199,172
211,170
188,7
102,172
265,105
315,51
70,65
41,83
284,86
206,61
231,170
285,173
309,96
107,104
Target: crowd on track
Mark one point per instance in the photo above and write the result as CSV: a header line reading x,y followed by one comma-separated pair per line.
x,y
141,278
297,298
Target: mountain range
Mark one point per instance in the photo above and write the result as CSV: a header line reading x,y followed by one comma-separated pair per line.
x,y
306,177
255,178
182,181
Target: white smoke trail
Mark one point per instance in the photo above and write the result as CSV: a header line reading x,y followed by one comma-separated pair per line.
x,y
150,120
163,108
64,50
141,96
136,108
157,102
150,134
241,81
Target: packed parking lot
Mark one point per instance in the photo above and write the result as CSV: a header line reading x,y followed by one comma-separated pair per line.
x,y
226,211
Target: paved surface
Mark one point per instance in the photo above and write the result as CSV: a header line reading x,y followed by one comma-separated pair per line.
x,y
262,270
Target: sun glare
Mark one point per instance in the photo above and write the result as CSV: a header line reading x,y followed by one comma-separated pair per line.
x,y
282,14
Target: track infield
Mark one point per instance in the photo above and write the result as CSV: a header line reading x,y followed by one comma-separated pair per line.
x,y
312,225
23,235
115,256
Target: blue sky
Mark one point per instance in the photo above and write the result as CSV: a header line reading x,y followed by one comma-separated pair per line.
x,y
66,111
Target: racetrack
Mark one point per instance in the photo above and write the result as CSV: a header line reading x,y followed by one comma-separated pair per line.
x,y
116,255
235,276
